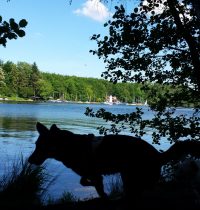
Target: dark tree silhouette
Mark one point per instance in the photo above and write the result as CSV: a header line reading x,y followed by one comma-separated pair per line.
x,y
157,43
11,30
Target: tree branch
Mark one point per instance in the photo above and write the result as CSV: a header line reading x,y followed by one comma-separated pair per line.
x,y
189,39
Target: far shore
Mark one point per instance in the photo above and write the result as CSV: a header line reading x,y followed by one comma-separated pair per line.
x,y
38,100
18,99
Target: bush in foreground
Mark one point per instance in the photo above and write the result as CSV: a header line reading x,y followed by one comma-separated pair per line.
x,y
23,186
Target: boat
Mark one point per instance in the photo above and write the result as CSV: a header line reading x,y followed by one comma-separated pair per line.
x,y
109,101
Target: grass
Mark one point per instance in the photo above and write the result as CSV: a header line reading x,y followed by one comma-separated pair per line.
x,y
66,197
24,185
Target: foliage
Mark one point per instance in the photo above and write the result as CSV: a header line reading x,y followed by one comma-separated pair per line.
x,y
23,185
11,30
67,197
195,4
21,81
25,80
34,78
2,77
157,44
149,47
17,80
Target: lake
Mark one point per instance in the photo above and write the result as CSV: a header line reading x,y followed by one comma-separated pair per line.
x,y
18,135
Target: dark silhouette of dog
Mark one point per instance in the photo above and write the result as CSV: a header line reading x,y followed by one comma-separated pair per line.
x,y
91,157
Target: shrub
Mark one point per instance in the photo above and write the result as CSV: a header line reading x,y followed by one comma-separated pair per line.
x,y
24,185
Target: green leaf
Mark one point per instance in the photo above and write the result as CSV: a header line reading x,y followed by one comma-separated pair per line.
x,y
12,20
23,23
13,24
136,10
20,33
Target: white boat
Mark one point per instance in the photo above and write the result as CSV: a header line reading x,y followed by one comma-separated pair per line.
x,y
110,101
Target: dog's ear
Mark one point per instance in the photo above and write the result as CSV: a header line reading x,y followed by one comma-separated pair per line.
x,y
41,128
54,128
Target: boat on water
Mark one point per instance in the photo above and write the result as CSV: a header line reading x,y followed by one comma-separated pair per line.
x,y
57,101
138,104
111,100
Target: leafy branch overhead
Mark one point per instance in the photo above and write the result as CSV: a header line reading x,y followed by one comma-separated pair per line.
x,y
149,46
163,124
11,30
157,44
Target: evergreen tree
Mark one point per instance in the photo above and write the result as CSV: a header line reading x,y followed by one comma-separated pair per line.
x,y
34,78
14,76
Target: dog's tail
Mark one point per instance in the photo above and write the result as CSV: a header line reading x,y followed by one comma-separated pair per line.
x,y
181,149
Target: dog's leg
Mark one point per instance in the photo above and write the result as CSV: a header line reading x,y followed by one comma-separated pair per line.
x,y
98,183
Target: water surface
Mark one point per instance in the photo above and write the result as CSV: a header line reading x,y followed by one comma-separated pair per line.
x,y
18,135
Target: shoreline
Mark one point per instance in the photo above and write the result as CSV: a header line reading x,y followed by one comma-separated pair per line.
x,y
23,100
18,100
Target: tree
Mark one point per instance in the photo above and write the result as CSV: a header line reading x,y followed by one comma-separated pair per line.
x,y
24,69
45,89
35,76
11,78
14,76
157,43
195,4
2,78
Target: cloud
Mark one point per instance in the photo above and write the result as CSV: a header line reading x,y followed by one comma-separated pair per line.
x,y
94,9
161,7
157,10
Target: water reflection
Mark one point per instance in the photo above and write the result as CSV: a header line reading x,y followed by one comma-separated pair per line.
x,y
17,124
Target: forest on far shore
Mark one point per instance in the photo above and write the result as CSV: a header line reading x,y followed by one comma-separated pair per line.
x,y
26,81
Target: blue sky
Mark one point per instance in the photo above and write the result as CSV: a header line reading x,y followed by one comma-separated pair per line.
x,y
57,35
